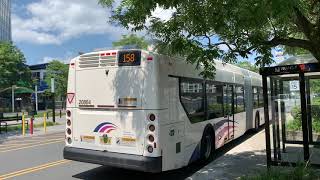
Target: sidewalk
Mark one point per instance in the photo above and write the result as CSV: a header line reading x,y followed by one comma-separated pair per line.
x,y
36,131
247,158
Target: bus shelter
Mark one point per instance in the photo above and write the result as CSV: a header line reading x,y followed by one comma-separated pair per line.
x,y
291,96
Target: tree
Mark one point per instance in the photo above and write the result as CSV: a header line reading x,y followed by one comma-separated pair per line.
x,y
131,39
13,70
59,71
198,29
248,65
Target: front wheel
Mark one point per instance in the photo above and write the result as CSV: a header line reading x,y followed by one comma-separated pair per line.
x,y
207,146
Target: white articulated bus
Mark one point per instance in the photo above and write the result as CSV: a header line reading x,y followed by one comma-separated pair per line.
x,y
136,109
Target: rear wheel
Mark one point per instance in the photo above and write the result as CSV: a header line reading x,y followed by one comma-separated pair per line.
x,y
207,145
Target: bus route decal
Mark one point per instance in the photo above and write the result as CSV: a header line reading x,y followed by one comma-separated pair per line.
x,y
105,127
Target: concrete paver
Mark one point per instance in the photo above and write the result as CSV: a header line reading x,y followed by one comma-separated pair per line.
x,y
249,157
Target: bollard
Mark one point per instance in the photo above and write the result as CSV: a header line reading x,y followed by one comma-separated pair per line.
x,y
23,125
60,114
31,125
45,122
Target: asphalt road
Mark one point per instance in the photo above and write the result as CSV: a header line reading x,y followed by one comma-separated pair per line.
x,y
38,158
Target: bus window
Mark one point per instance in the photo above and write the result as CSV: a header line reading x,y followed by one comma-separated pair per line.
x,y
214,101
239,100
192,99
260,97
255,97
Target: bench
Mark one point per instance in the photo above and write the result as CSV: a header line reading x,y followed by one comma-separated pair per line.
x,y
11,121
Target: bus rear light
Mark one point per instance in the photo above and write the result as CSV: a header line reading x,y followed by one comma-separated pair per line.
x,y
152,117
150,58
150,149
69,140
69,131
152,127
151,138
68,113
69,122
114,53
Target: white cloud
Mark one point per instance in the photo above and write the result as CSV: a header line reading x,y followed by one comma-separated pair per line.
x,y
163,14
48,59
54,22
223,47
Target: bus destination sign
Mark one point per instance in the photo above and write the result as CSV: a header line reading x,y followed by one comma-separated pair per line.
x,y
129,58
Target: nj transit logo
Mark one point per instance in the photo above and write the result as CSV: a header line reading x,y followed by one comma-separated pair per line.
x,y
105,127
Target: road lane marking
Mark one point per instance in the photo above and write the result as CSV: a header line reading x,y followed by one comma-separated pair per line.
x,y
28,140
33,169
15,149
34,137
10,146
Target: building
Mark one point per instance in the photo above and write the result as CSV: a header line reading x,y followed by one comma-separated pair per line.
x,y
5,20
38,73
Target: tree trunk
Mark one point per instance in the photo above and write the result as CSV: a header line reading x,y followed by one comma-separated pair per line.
x,y
316,52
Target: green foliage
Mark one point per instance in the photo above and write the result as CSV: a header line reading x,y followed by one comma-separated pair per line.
x,y
248,65
315,86
197,29
13,70
48,123
302,171
296,124
131,39
58,71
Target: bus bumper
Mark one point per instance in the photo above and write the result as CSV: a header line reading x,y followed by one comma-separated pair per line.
x,y
126,161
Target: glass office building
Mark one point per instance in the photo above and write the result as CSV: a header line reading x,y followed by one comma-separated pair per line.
x,y
5,20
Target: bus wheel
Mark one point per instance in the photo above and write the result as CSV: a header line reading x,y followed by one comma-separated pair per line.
x,y
207,145
257,123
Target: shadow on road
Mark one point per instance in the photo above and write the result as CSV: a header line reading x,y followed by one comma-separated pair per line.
x,y
207,170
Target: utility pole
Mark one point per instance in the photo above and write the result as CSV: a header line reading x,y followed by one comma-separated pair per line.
x,y
53,100
36,96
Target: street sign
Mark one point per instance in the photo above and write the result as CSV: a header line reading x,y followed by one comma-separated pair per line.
x,y
294,86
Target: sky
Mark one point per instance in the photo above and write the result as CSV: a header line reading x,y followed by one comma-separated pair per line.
x,y
59,29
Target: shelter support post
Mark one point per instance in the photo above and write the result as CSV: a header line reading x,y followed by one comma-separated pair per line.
x,y
266,117
304,116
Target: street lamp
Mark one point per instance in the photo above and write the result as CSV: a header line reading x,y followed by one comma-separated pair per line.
x,y
54,101
12,96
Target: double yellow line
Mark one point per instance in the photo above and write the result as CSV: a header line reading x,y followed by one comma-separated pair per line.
x,y
33,169
15,147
